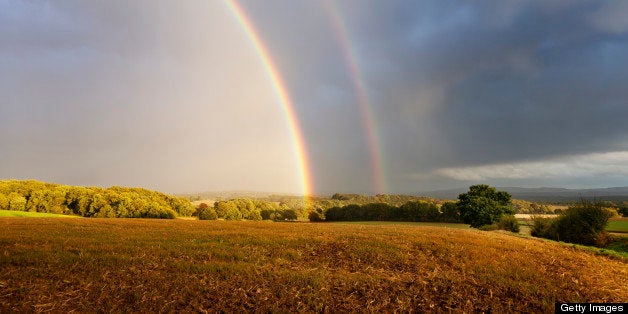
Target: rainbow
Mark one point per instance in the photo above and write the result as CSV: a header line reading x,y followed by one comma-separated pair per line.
x,y
368,122
282,93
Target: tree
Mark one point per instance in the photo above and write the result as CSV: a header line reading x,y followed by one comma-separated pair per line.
x,y
316,215
201,208
289,214
4,202
449,212
483,205
419,211
17,202
204,212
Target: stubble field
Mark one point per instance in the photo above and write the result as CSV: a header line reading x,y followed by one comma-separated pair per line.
x,y
142,265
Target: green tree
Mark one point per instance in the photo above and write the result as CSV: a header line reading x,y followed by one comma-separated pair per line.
x,y
227,210
17,202
449,212
316,215
483,205
289,214
204,212
4,202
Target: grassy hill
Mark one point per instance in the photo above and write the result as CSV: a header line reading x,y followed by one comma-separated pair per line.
x,y
186,265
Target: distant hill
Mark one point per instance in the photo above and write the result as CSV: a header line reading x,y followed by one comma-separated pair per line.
x,y
227,195
545,194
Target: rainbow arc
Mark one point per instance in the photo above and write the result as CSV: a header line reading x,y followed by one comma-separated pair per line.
x,y
282,93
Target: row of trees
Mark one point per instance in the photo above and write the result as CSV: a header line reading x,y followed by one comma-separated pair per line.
x,y
239,209
35,196
410,211
481,207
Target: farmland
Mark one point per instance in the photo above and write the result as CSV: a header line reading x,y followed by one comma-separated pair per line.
x,y
13,213
147,265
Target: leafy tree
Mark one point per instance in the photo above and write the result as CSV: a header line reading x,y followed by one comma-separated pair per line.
x,y
419,211
204,212
449,212
227,210
17,202
334,214
483,205
267,213
316,215
200,208
289,214
4,202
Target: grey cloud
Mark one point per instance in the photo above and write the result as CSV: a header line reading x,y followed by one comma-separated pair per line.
x,y
133,87
462,84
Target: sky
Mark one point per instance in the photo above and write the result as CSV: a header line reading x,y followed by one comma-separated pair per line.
x,y
388,96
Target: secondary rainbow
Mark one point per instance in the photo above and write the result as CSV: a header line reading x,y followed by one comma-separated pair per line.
x,y
368,121
282,93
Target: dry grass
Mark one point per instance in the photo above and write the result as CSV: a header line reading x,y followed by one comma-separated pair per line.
x,y
135,265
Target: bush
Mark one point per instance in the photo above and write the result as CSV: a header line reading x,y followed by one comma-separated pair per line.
x,y
543,227
316,216
509,223
207,214
584,223
289,214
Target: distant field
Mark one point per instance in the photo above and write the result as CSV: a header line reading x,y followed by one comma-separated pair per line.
x,y
142,265
12,213
618,225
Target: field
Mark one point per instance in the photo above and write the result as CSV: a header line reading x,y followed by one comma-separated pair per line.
x,y
143,265
618,225
13,213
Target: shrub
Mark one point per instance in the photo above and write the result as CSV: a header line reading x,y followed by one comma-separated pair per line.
x,y
207,214
267,214
289,214
201,207
583,223
543,227
509,223
316,216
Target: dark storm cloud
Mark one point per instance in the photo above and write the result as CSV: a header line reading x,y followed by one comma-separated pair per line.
x,y
462,83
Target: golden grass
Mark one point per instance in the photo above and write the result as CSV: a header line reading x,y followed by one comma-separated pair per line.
x,y
140,265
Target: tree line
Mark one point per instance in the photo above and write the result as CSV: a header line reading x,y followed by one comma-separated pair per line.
x,y
419,211
482,207
245,209
121,202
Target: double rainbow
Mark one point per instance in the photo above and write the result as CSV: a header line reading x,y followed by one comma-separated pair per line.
x,y
278,84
